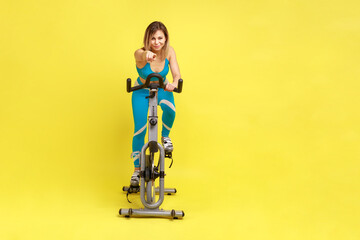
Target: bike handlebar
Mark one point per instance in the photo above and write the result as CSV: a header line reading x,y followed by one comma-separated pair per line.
x,y
152,85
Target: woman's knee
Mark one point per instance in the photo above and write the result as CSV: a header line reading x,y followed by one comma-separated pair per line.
x,y
169,112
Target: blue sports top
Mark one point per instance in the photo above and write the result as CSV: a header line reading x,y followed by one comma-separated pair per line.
x,y
146,71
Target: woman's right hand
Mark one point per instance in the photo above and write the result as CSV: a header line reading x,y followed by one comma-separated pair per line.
x,y
150,56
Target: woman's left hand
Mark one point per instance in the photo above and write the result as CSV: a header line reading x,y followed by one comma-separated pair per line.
x,y
170,87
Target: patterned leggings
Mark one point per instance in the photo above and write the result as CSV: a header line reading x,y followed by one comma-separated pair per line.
x,y
140,105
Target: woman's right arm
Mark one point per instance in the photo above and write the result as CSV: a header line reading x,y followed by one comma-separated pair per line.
x,y
142,56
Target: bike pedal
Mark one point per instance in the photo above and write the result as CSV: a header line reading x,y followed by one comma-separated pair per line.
x,y
134,189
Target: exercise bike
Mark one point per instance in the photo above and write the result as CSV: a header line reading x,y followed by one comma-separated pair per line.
x,y
148,171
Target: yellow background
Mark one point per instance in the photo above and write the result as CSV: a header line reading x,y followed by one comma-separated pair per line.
x,y
266,136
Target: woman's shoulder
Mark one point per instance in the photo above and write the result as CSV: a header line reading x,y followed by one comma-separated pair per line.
x,y
139,55
171,49
139,51
171,52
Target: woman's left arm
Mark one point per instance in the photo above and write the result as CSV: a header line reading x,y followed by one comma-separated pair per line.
x,y
175,71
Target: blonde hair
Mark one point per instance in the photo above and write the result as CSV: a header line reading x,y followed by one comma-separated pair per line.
x,y
150,31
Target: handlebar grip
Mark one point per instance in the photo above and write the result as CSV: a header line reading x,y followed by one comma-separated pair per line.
x,y
131,89
128,85
179,88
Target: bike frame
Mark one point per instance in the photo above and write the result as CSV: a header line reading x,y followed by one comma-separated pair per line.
x,y
149,173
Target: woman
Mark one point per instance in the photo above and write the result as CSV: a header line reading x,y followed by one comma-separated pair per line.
x,y
155,57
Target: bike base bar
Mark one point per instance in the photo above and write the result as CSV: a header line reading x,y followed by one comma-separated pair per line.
x,y
145,212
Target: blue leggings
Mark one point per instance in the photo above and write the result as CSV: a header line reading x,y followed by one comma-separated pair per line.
x,y
140,106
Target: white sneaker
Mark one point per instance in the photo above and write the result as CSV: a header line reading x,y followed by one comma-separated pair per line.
x,y
168,146
135,179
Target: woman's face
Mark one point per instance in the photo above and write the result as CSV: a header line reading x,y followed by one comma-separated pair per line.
x,y
157,41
